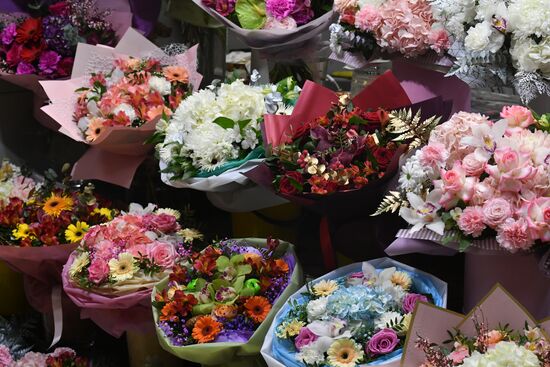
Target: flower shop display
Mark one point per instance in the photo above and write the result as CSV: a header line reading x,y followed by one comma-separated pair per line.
x,y
498,44
118,94
218,303
214,135
111,274
356,315
59,357
497,332
369,29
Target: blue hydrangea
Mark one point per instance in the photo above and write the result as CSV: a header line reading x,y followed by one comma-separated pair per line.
x,y
358,303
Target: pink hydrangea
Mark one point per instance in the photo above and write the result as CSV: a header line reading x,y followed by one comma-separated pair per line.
x,y
5,356
471,221
368,19
517,116
513,235
496,211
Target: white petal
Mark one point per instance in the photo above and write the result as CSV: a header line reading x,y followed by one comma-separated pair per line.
x,y
438,227
368,270
415,200
410,216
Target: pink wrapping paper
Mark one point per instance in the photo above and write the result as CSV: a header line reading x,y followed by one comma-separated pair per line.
x,y
115,315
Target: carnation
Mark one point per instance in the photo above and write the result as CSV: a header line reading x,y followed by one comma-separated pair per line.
x,y
514,235
471,221
161,85
483,39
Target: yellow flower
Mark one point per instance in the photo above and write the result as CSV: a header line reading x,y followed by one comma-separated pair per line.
x,y
190,234
325,288
123,268
54,205
401,279
172,212
289,329
344,353
23,231
79,263
75,232
106,212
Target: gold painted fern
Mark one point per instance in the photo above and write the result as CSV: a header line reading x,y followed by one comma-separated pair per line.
x,y
391,203
411,129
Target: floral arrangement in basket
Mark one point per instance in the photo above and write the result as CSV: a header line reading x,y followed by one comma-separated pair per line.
x,y
269,14
65,357
46,44
494,46
222,293
345,149
134,92
406,27
49,214
479,179
500,346
131,252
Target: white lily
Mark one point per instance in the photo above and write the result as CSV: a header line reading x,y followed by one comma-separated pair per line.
x,y
424,213
486,138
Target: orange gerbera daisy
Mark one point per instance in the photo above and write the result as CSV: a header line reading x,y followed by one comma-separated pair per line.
x,y
206,329
94,129
176,74
257,308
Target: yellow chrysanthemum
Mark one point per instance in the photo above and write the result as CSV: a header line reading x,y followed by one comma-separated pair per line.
x,y
123,268
106,212
190,234
79,263
23,231
55,204
288,329
325,288
75,232
401,279
169,211
345,353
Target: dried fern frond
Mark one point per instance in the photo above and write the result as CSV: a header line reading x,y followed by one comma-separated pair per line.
x,y
411,129
391,203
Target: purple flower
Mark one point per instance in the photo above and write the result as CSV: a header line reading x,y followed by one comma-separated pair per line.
x,y
234,336
383,342
225,7
48,62
280,9
305,337
25,68
8,34
302,12
54,28
410,300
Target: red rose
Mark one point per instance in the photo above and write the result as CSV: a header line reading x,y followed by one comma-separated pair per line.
x,y
29,53
383,156
288,182
29,30
60,8
65,66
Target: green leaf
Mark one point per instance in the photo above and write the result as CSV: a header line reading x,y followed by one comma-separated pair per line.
x,y
243,123
225,122
239,283
356,120
251,13
203,309
81,89
463,244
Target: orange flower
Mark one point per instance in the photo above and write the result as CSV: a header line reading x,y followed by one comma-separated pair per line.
x,y
206,329
279,266
494,337
176,74
169,312
226,311
253,259
157,111
257,308
94,129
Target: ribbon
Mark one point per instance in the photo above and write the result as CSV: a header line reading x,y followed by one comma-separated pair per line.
x,y
326,245
57,311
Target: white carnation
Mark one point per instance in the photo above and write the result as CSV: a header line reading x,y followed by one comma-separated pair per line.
x,y
161,85
388,318
311,354
317,308
127,110
483,38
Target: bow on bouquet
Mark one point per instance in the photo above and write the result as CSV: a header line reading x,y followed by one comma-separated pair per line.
x,y
498,332
111,274
114,99
214,135
355,315
40,224
218,303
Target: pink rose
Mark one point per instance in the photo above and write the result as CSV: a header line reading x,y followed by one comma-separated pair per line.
x,y
5,356
410,301
439,40
304,338
496,211
368,18
473,166
517,116
162,254
383,342
511,168
434,155
459,353
164,223
513,235
455,186
98,270
471,221
537,214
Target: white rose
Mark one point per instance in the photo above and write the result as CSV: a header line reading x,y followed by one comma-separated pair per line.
x,y
161,85
127,110
316,309
483,37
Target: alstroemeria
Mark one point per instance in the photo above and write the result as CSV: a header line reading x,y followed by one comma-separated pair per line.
x,y
424,213
511,169
485,138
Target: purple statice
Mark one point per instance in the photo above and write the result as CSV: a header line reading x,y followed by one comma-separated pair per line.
x,y
280,9
302,12
8,34
240,322
25,68
176,332
277,286
184,250
54,28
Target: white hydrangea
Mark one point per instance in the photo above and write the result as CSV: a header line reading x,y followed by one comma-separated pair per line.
x,y
503,354
127,110
317,308
528,17
161,85
387,318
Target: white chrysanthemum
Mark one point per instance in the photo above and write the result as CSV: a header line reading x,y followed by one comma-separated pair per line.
x,y
316,309
528,17
483,39
311,354
173,212
387,319
503,354
196,109
127,110
209,146
161,85
413,174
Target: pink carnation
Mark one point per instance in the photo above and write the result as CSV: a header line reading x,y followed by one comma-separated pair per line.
x,y
517,116
368,18
439,40
514,235
496,211
434,155
280,9
471,221
98,271
5,356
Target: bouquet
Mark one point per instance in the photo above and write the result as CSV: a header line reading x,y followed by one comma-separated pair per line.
x,y
118,94
497,332
14,183
479,180
111,273
359,314
218,303
59,357
367,29
494,46
215,134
